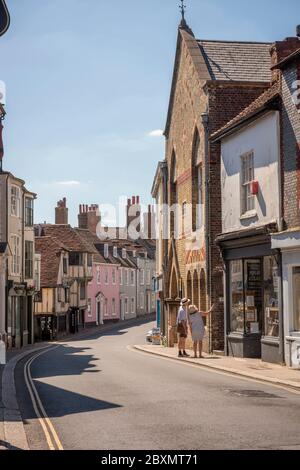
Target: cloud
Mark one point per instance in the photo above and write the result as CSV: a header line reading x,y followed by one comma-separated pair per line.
x,y
68,183
156,133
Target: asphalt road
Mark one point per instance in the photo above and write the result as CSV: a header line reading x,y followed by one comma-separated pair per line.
x,y
100,395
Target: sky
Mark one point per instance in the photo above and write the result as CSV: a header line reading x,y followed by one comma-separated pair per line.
x,y
88,84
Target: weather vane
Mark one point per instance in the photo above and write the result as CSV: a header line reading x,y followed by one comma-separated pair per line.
x,y
182,8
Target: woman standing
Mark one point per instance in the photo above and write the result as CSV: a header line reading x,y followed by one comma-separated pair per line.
x,y
197,328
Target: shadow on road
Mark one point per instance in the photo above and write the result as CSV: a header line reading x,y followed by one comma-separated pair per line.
x,y
64,361
59,402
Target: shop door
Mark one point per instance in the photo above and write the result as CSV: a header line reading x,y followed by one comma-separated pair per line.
x,y
253,275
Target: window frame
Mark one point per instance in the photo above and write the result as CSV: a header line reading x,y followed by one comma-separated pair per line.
x,y
247,177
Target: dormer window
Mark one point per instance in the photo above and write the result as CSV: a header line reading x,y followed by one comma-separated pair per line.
x,y
105,251
124,254
115,252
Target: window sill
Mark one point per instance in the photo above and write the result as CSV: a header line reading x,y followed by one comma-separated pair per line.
x,y
248,215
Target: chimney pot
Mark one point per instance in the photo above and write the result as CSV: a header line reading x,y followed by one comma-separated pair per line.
x,y
138,199
129,202
133,200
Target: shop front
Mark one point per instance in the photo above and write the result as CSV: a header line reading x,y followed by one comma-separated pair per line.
x,y
253,298
19,316
289,244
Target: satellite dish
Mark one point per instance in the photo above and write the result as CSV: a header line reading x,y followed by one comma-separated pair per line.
x,y
4,17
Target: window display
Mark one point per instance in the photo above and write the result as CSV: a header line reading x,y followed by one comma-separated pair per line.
x,y
271,289
237,296
254,293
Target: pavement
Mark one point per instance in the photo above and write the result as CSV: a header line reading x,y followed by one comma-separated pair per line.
x,y
100,393
250,368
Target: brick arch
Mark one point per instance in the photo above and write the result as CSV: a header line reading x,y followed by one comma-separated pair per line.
x,y
173,284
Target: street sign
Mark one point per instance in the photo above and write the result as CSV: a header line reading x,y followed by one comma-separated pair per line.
x,y
4,17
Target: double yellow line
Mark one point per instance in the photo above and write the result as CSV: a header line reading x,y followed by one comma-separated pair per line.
x,y
52,438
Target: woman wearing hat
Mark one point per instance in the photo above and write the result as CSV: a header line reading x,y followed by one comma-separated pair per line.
x,y
182,327
197,327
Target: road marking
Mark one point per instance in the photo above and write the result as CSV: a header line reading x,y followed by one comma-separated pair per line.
x,y
46,424
214,371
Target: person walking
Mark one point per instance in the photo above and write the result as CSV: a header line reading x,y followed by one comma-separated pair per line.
x,y
197,328
182,327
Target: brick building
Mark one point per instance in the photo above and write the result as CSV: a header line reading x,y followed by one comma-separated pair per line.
x,y
260,239
286,66
212,82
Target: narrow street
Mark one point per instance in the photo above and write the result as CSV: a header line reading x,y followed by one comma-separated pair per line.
x,y
99,394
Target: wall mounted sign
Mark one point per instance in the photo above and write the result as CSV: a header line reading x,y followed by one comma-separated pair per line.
x,y
4,17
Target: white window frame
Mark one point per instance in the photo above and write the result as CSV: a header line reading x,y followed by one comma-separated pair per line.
x,y
247,177
113,307
148,277
126,277
142,277
105,308
132,303
98,275
121,276
106,277
115,250
142,301
16,255
132,277
89,309
126,305
106,250
15,201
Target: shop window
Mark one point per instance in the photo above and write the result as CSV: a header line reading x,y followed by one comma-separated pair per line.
x,y
271,290
254,287
296,298
237,296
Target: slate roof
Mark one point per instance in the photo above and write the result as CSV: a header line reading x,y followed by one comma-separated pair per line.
x,y
237,61
50,251
257,106
69,237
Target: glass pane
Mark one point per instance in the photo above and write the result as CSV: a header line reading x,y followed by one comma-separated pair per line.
x,y
271,289
296,295
237,296
253,295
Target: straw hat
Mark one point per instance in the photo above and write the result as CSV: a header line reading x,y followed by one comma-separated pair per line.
x,y
185,302
193,309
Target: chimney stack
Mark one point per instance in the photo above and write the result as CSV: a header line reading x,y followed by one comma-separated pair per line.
x,y
62,213
134,212
282,49
89,217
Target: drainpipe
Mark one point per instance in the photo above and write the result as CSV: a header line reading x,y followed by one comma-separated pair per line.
x,y
205,122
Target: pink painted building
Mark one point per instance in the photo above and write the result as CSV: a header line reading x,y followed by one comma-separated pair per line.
x,y
104,289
